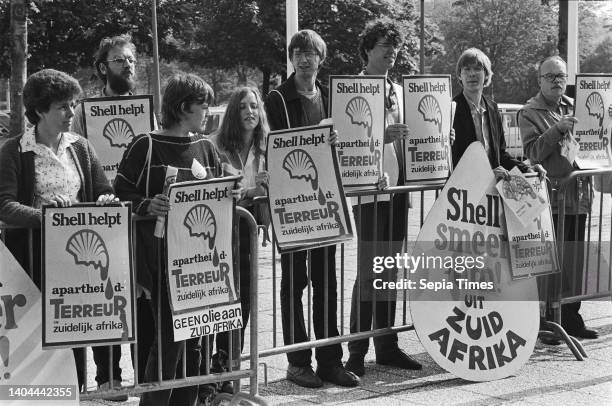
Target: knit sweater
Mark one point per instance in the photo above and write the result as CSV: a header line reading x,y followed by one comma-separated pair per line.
x,y
138,182
17,181
17,195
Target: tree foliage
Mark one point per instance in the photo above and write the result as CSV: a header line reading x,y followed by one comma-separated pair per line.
x,y
600,61
515,36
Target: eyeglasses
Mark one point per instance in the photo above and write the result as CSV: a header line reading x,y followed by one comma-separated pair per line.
x,y
122,61
386,45
551,77
308,55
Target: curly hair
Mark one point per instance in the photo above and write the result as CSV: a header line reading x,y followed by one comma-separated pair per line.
x,y
375,30
108,43
181,92
45,87
230,131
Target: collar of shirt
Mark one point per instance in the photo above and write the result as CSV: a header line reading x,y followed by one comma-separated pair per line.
x,y
480,109
28,143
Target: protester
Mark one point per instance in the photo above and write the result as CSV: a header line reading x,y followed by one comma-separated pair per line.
x,y
477,117
47,164
546,125
140,179
379,45
241,142
115,64
297,102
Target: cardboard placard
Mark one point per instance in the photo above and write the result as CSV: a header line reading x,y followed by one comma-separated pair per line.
x,y
594,127
472,317
200,257
427,111
88,283
357,107
111,123
533,247
306,197
24,365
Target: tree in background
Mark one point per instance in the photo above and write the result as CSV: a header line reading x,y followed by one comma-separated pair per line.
x,y
340,22
515,35
600,61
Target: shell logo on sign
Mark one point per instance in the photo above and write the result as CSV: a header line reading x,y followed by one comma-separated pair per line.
x,y
358,109
201,222
118,132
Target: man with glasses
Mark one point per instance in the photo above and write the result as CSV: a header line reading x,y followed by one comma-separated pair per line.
x,y
116,67
379,45
297,102
115,64
546,125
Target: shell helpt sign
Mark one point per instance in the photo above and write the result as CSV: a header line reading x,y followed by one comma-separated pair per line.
x,y
299,164
430,110
595,106
88,248
118,132
201,222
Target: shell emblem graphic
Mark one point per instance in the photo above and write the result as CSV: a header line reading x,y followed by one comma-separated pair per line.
x,y
358,109
201,222
118,132
88,248
300,165
430,110
595,106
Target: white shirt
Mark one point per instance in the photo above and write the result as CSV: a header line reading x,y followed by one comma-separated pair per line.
x,y
54,173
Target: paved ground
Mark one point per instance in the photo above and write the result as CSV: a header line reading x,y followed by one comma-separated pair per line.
x,y
551,377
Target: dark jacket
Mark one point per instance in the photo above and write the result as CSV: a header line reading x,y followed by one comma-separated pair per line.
x,y
465,134
276,111
17,193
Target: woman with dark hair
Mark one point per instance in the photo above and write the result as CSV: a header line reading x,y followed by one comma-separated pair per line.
x,y
47,164
241,141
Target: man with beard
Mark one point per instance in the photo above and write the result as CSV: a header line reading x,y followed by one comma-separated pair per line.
x,y
115,64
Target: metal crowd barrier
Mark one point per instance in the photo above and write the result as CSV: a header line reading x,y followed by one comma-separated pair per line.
x,y
588,261
233,374
423,197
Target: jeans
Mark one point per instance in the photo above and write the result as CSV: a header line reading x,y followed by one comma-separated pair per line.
x,y
572,269
327,356
171,353
365,298
245,303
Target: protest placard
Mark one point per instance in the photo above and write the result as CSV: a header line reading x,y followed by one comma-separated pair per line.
x,y
594,126
200,265
470,315
28,374
357,107
112,122
520,198
427,111
306,198
533,248
88,286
